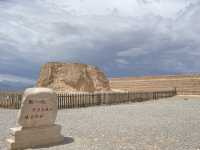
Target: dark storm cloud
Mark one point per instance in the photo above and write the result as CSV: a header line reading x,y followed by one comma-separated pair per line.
x,y
35,32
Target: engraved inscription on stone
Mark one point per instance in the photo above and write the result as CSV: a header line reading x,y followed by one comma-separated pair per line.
x,y
38,108
38,111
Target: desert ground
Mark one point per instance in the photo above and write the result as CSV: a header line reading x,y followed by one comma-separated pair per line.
x,y
166,124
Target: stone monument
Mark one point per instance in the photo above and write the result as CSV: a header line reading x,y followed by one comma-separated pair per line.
x,y
36,121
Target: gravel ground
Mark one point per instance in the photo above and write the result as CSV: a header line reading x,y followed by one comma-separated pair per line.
x,y
170,124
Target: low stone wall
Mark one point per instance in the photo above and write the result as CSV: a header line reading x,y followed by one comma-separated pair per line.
x,y
75,100
184,84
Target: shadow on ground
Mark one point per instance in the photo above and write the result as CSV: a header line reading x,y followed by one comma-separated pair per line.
x,y
67,140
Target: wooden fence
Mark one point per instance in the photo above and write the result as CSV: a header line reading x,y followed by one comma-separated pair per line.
x,y
10,100
74,100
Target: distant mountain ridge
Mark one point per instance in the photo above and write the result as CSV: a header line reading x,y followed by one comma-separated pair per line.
x,y
13,86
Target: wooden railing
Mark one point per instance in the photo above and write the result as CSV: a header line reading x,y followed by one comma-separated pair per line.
x,y
10,100
74,100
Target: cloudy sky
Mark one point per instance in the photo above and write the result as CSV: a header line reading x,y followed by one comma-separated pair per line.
x,y
122,37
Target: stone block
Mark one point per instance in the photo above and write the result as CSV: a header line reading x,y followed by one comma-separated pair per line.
x,y
22,138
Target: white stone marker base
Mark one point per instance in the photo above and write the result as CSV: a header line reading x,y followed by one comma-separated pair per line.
x,y
22,138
